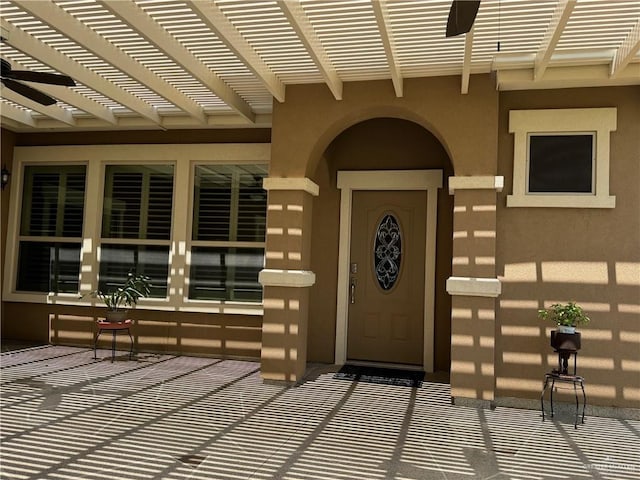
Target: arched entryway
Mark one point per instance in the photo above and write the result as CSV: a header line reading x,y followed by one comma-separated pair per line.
x,y
337,331
314,136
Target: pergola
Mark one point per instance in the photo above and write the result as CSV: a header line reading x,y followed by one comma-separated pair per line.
x,y
177,64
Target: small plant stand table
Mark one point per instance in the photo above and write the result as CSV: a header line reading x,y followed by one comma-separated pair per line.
x,y
114,328
562,376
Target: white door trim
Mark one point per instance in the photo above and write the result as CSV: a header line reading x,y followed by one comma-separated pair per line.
x,y
348,181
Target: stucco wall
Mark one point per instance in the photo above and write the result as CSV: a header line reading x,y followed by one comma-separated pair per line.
x,y
237,336
230,135
591,256
310,119
460,132
170,332
374,144
543,255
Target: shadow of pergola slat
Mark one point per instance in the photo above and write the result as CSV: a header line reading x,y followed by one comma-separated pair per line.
x,y
195,418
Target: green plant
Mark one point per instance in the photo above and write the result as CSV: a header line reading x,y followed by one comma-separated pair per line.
x,y
568,314
135,287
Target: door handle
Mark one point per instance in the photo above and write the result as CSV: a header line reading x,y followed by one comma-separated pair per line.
x,y
352,290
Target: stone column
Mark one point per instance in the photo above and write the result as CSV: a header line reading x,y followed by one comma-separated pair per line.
x,y
474,288
286,278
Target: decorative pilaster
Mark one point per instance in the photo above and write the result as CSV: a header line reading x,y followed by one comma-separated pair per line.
x,y
286,278
474,288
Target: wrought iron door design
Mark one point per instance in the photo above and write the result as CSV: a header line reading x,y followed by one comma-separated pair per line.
x,y
387,252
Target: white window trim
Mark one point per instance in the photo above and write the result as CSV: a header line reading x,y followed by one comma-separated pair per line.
x,y
186,266
600,121
96,157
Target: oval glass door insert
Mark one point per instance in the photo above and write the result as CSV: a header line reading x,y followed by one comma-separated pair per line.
x,y
387,252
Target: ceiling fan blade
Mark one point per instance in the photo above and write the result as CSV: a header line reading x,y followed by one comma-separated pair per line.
x,y
42,77
27,91
461,16
6,67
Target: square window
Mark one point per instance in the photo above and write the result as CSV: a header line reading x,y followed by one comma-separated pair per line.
x,y
561,157
561,163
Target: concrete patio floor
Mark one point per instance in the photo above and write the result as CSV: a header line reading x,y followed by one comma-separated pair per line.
x,y
65,415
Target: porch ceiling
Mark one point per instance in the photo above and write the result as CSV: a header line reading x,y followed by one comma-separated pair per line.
x,y
172,64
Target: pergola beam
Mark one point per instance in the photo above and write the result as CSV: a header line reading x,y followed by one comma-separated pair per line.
x,y
51,111
16,114
35,48
380,11
302,26
56,17
133,15
627,51
552,36
215,19
466,63
70,97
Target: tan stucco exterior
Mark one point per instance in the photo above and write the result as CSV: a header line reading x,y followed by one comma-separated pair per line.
x,y
305,125
590,256
494,345
373,144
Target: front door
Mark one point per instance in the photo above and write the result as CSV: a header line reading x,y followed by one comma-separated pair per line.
x,y
387,274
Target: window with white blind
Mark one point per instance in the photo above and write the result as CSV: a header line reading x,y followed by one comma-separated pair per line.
x,y
50,235
191,217
136,225
228,232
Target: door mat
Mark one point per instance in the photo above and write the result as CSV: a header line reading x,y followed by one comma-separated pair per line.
x,y
384,376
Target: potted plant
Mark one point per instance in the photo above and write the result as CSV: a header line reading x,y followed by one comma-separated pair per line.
x,y
566,341
125,296
565,315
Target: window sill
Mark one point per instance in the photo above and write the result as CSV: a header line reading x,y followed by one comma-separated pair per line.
x,y
561,201
230,308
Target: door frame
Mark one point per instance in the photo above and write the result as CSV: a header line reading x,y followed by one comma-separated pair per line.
x,y
347,182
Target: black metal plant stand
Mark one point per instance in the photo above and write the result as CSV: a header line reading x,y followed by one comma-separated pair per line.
x,y
563,375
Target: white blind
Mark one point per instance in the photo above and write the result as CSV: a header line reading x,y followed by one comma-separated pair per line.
x,y
53,201
229,203
138,202
52,206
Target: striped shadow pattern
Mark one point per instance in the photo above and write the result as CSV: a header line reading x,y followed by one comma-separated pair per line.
x,y
65,416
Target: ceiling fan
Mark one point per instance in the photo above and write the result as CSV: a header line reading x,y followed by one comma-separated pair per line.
x,y
461,16
10,77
